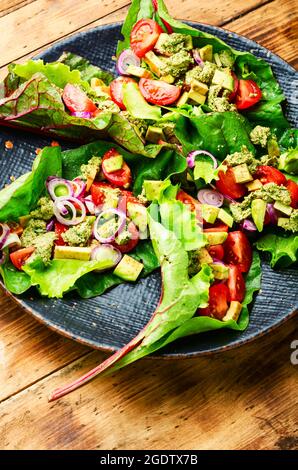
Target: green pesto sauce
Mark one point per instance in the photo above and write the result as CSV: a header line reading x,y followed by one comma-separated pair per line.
x,y
291,224
43,245
34,228
227,58
173,43
91,168
177,64
259,135
44,210
245,156
79,235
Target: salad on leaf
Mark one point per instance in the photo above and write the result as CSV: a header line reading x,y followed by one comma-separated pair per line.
x,y
189,166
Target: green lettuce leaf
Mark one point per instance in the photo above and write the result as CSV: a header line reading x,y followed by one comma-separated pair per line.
x,y
289,139
21,196
86,69
283,249
14,280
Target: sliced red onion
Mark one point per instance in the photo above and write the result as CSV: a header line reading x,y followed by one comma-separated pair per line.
x,y
50,225
13,240
125,59
120,224
82,114
248,225
272,213
79,187
107,254
211,197
93,209
64,206
191,157
53,183
228,198
4,232
197,57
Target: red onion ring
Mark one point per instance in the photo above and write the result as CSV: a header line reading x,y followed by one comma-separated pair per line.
x,y
53,182
64,206
106,252
211,197
13,240
125,59
272,213
248,225
120,225
79,187
50,225
92,208
191,157
82,114
197,57
5,231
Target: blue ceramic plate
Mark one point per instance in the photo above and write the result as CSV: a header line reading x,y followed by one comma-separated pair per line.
x,y
111,320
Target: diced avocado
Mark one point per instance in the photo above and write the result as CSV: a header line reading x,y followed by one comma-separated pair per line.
x,y
209,213
283,222
199,87
152,189
154,62
154,134
196,97
138,214
204,256
273,148
217,59
220,271
258,212
162,39
167,78
216,238
254,185
233,311
113,164
188,44
287,210
242,173
96,82
224,79
136,104
24,219
72,252
206,53
183,99
139,72
225,217
128,269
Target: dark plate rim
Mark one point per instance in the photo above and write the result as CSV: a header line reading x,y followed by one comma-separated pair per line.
x,y
168,356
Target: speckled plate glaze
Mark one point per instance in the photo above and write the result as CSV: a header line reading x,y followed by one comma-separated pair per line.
x,y
111,320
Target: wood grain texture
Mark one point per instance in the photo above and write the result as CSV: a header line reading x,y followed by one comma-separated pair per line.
x,y
242,399
7,6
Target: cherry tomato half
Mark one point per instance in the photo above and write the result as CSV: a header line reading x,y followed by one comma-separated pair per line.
x,y
97,192
236,85
216,251
120,177
218,302
132,242
116,89
19,257
248,94
191,203
159,92
238,251
227,185
76,100
236,284
59,229
144,36
292,187
269,174
217,227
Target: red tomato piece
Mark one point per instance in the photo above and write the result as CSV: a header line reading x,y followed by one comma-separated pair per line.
x,y
227,185
97,192
248,94
144,36
218,302
236,85
236,284
127,196
238,251
191,203
292,187
59,229
120,177
76,100
217,227
269,174
19,257
166,24
159,92
132,242
216,251
116,89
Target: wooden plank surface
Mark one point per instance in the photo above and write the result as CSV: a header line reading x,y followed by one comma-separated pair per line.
x,y
242,399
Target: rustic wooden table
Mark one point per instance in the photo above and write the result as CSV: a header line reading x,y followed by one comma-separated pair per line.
x,y
242,399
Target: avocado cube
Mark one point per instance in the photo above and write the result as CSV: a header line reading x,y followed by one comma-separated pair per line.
x,y
72,252
273,148
242,173
163,38
204,256
154,134
183,99
196,97
225,217
138,214
128,269
216,238
283,222
209,213
254,185
167,78
206,53
220,271
96,82
199,87
113,164
139,72
287,210
24,219
217,59
233,311
154,62
258,212
223,79
188,44
152,189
